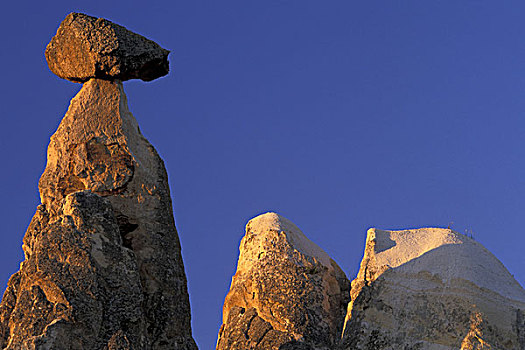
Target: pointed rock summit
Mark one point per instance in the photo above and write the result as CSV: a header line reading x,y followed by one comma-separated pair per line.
x,y
86,47
433,288
103,266
287,292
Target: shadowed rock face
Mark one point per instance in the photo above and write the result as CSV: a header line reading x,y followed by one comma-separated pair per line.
x,y
432,288
287,292
85,47
103,259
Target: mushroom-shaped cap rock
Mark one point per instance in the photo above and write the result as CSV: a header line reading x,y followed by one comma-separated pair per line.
x,y
86,47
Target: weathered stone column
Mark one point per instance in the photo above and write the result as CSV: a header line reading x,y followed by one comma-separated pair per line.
x,y
103,266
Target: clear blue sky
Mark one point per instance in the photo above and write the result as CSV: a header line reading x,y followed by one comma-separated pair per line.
x,y
340,115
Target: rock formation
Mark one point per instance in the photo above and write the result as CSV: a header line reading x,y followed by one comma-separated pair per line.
x,y
86,47
287,292
433,288
103,266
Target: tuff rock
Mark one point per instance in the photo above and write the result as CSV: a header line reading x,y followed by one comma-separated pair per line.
x,y
287,292
432,289
78,287
86,47
103,266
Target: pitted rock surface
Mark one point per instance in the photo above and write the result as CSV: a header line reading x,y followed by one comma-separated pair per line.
x,y
78,285
432,288
287,292
86,47
103,266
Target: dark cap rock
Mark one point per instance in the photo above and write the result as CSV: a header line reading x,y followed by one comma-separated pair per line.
x,y
86,47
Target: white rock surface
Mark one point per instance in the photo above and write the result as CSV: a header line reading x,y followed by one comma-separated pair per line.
x,y
258,240
433,288
466,259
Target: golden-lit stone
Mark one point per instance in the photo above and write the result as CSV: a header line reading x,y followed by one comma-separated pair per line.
x,y
86,47
287,292
103,264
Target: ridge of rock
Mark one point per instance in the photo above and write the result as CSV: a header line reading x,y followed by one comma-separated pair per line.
x,y
86,47
287,292
432,288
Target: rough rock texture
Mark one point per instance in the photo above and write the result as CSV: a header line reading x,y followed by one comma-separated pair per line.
x,y
287,292
85,47
432,288
77,282
103,267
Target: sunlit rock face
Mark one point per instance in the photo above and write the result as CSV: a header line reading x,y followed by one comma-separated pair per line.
x,y
432,288
103,266
78,287
103,259
86,47
287,292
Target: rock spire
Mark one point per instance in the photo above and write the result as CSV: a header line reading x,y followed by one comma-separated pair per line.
x,y
103,266
287,292
432,288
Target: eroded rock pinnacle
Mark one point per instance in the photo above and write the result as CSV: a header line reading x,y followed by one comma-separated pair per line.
x,y
103,267
287,292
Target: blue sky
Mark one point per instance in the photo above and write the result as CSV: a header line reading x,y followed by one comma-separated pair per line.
x,y
339,115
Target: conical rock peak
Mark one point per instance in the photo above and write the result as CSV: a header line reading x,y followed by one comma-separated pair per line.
x,y
287,292
103,267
